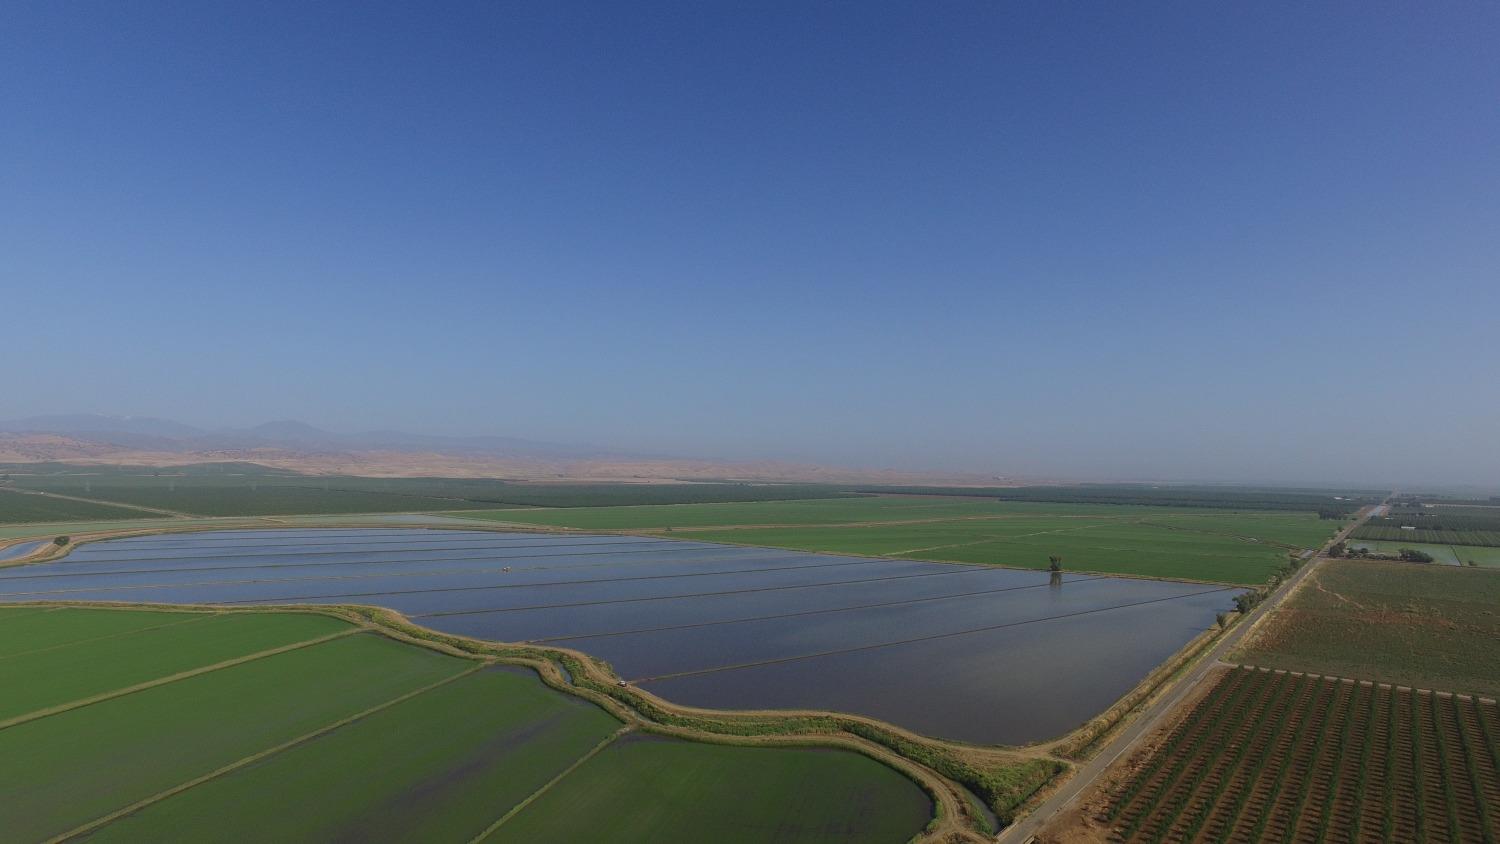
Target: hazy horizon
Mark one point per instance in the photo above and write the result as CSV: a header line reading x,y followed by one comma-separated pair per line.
x,y
1245,244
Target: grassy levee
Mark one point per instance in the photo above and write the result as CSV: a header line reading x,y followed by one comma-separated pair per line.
x,y
435,767
50,676
70,768
641,789
1004,779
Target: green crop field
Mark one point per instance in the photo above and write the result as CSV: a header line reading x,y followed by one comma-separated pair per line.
x,y
66,769
1169,495
299,727
656,790
1436,525
213,496
1420,625
245,489
1191,543
28,630
439,766
1455,555
17,507
170,643
1427,535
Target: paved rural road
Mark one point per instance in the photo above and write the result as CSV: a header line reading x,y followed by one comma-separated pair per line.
x,y
1154,714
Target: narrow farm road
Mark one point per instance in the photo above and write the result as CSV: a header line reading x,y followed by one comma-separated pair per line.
x,y
143,508
1084,778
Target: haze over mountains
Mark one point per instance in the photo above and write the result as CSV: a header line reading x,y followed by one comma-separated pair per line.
x,y
166,434
289,444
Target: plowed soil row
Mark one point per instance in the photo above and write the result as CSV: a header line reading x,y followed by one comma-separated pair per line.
x,y
1273,756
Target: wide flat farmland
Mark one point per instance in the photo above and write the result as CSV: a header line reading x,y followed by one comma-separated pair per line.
x,y
1281,757
1429,626
953,651
654,789
1188,543
1453,555
301,727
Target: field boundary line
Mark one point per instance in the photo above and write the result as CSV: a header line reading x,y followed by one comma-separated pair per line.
x,y
120,634
172,678
141,507
516,809
16,606
105,820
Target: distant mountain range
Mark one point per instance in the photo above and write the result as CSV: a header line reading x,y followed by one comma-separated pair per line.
x,y
287,444
145,432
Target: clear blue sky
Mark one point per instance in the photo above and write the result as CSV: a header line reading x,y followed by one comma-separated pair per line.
x,y
1243,241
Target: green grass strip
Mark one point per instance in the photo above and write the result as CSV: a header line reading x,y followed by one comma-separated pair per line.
x,y
173,678
531,798
43,680
71,767
648,790
188,619
253,758
44,630
436,767
14,612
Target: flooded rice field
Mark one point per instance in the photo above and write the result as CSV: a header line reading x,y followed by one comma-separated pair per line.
x,y
993,656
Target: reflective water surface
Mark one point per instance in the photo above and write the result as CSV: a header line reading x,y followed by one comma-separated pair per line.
x,y
977,654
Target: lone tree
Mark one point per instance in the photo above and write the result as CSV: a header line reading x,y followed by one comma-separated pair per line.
x,y
1054,563
61,541
1223,619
